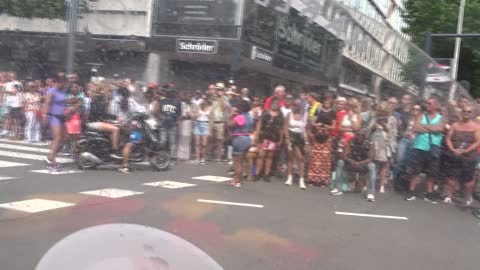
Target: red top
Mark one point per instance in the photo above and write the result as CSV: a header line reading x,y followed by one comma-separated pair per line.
x,y
340,115
269,100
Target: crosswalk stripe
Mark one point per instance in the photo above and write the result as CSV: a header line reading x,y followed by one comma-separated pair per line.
x,y
24,148
23,142
6,164
3,178
35,205
30,156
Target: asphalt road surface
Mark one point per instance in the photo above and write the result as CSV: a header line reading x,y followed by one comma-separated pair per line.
x,y
259,226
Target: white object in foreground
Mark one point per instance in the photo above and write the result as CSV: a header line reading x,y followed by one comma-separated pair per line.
x,y
112,193
169,184
212,178
35,205
231,203
368,215
11,154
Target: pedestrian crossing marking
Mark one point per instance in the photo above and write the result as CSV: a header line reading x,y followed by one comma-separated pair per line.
x,y
25,143
212,178
35,205
46,171
2,178
169,184
6,164
30,156
24,148
111,193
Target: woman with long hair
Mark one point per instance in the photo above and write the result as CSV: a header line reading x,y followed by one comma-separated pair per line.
x,y
269,135
241,127
295,132
384,138
54,114
32,103
202,130
320,136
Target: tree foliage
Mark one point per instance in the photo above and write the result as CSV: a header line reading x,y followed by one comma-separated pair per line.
x,y
50,9
440,16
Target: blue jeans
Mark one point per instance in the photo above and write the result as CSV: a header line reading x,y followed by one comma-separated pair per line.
x,y
404,146
169,135
342,173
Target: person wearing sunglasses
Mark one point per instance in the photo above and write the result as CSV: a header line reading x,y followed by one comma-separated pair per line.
x,y
425,153
463,139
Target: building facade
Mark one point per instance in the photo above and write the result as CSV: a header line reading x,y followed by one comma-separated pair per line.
x,y
349,46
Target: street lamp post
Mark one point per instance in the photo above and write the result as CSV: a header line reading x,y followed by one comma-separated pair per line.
x,y
72,19
456,55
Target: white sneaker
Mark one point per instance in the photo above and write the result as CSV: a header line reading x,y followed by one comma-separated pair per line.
x,y
289,180
302,183
382,189
370,198
336,192
469,202
4,132
447,201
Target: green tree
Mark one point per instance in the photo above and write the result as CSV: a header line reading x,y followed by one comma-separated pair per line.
x,y
50,9
440,16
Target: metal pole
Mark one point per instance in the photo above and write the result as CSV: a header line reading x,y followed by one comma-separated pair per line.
x,y
456,55
72,16
427,46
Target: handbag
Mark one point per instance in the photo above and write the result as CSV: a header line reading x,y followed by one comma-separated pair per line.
x,y
436,150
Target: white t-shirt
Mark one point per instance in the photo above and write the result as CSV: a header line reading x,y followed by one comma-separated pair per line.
x,y
285,111
9,85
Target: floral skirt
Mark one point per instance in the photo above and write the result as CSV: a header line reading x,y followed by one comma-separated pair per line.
x,y
320,164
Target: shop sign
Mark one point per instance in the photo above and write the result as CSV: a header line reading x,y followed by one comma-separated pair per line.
x,y
197,46
261,55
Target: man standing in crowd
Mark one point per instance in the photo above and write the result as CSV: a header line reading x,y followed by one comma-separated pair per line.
x,y
278,93
403,115
313,104
426,149
244,95
170,112
220,113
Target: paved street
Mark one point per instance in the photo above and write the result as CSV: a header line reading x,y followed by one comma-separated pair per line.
x,y
272,227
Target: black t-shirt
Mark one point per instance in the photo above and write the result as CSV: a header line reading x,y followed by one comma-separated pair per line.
x,y
170,109
271,126
98,110
325,117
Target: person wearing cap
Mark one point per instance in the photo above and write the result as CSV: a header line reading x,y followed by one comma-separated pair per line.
x,y
220,113
170,113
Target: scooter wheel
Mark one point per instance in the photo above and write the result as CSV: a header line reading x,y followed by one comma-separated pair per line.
x,y
83,163
160,161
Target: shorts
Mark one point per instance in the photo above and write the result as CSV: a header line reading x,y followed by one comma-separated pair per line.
x,y
56,120
296,139
421,161
460,168
94,125
201,128
362,169
219,130
268,145
241,144
16,113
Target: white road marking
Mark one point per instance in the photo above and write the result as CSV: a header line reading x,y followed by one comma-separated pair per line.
x,y
169,184
3,178
6,164
24,148
55,172
212,178
112,193
231,203
25,143
35,205
30,156
368,215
